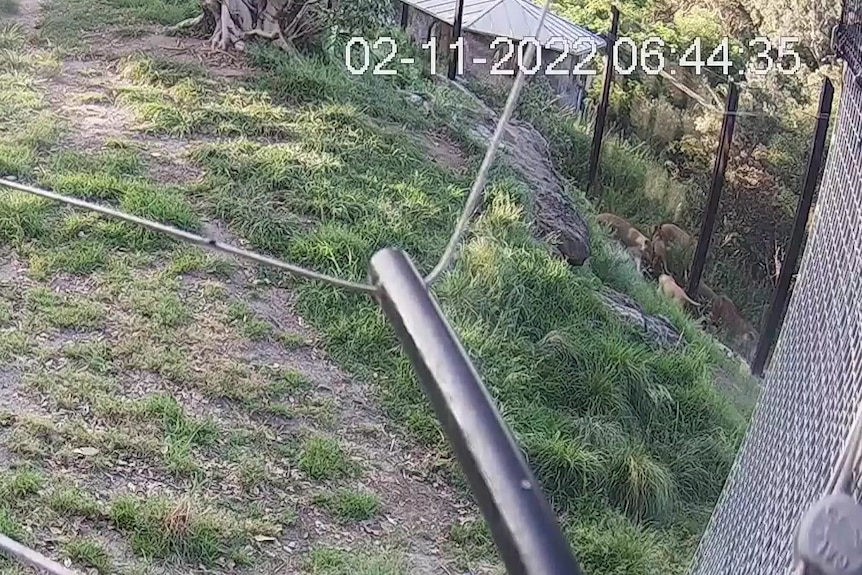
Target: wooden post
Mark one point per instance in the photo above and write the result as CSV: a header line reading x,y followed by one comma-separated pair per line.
x,y
772,323
456,33
708,223
602,112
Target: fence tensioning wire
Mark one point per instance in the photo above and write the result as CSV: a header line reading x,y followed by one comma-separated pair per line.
x,y
521,563
479,184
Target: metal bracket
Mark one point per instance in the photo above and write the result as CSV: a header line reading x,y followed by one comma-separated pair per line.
x,y
829,538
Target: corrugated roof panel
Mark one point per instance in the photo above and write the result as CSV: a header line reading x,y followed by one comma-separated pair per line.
x,y
516,19
445,9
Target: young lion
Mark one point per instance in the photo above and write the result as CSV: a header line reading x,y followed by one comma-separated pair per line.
x,y
633,240
668,286
725,313
674,236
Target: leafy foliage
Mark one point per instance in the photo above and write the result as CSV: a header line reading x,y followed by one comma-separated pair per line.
x,y
674,122
361,16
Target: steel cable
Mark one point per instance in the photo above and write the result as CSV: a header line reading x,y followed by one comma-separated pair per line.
x,y
32,558
193,238
476,192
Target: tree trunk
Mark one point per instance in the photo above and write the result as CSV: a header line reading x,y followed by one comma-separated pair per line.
x,y
285,22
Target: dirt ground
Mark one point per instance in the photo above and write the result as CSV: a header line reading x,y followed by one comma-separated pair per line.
x,y
77,393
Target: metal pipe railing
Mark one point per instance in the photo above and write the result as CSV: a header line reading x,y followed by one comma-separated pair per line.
x,y
521,521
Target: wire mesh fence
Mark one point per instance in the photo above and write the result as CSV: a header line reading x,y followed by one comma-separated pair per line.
x,y
848,36
813,384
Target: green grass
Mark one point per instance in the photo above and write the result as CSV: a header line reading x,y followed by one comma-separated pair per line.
x,y
64,311
89,553
181,433
61,240
351,505
329,561
252,471
69,22
598,409
10,526
27,128
159,302
323,458
473,540
73,501
159,527
13,343
252,327
190,260
95,355
16,485
291,380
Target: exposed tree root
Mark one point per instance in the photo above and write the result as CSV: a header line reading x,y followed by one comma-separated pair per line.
x,y
188,23
286,23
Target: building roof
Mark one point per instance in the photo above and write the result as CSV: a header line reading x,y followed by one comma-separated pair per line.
x,y
515,19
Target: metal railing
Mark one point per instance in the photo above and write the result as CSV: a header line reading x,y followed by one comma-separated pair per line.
x,y
522,523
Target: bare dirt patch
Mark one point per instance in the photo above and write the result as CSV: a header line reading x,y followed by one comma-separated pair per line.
x,y
82,94
444,152
27,14
184,50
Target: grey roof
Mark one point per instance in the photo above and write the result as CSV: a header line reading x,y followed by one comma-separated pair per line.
x,y
515,19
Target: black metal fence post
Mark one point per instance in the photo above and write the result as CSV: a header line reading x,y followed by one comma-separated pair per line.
x,y
771,325
405,14
456,33
522,522
708,223
602,111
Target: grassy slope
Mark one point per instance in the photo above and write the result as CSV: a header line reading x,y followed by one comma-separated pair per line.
x,y
634,185
623,436
632,443
101,305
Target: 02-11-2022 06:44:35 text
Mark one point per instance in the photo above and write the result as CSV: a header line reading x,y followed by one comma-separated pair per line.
x,y
651,56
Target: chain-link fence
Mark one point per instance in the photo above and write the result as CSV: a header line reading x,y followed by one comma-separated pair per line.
x,y
813,385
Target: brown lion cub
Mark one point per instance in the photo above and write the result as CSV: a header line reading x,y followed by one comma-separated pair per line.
x,y
634,241
725,314
674,236
658,255
669,287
